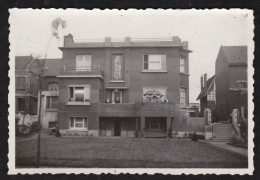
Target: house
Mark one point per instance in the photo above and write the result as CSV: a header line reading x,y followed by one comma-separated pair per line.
x,y
26,85
231,81
207,95
127,88
50,93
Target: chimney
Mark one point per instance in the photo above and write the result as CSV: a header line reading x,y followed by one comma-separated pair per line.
x,y
127,41
68,40
107,41
201,82
185,44
176,40
205,79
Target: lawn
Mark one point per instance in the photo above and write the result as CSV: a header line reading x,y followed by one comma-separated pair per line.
x,y
125,153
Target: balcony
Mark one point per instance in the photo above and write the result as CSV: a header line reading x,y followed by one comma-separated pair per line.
x,y
117,110
90,71
157,109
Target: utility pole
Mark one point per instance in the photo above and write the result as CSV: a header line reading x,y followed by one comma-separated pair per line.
x,y
38,155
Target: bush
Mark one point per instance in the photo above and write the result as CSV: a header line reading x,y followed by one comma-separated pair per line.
x,y
194,137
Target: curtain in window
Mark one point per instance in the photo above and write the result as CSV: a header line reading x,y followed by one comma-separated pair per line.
x,y
87,93
83,62
79,93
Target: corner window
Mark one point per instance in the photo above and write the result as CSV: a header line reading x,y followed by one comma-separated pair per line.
x,y
154,62
53,86
79,93
182,97
20,82
78,122
182,65
83,63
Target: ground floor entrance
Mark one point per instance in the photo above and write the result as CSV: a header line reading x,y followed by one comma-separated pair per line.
x,y
117,126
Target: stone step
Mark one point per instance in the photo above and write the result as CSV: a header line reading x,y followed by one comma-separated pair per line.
x,y
219,140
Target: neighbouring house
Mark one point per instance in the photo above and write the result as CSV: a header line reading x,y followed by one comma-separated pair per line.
x,y
207,95
231,81
194,109
50,93
129,88
26,88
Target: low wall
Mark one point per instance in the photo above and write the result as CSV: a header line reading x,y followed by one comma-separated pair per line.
x,y
189,124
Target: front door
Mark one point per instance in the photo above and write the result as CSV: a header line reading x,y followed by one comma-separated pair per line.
x,y
117,127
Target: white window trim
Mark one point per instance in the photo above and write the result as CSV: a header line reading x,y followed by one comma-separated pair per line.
x,y
78,128
78,102
155,70
182,65
26,81
84,59
185,89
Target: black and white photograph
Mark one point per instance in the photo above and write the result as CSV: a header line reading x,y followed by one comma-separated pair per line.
x,y
131,91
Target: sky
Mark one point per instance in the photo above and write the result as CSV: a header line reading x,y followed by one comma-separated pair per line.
x,y
205,31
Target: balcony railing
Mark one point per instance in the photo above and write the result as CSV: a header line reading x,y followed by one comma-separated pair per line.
x,y
120,109
83,70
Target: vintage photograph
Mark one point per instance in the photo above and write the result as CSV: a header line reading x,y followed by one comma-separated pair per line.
x,y
149,91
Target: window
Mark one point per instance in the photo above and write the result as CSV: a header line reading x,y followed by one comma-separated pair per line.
x,y
182,65
78,122
83,62
53,86
79,93
155,123
20,104
21,82
155,62
211,96
182,97
48,102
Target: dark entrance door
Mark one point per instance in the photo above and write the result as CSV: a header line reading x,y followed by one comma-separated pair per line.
x,y
117,127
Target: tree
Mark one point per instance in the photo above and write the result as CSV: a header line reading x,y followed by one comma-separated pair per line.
x,y
55,25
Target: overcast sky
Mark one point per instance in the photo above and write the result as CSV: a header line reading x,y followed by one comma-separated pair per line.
x,y
205,31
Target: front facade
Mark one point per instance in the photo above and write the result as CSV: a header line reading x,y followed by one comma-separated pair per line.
x,y
129,88
26,85
207,95
231,81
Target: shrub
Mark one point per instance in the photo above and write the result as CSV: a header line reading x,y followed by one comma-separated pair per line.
x,y
194,137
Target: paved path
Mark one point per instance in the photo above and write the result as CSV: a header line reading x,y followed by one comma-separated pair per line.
x,y
223,145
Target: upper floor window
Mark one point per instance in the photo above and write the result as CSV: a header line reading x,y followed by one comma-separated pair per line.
x,y
83,62
48,102
20,104
53,86
154,62
211,96
20,82
79,93
182,97
182,64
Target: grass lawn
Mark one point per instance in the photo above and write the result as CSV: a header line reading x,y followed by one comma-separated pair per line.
x,y
125,153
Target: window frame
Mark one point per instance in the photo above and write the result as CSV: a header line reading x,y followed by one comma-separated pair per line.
x,y
25,82
162,67
185,89
50,84
49,105
85,68
71,101
182,65
84,123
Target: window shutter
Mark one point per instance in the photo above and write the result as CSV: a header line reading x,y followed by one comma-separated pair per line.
x,y
87,92
163,62
71,92
146,61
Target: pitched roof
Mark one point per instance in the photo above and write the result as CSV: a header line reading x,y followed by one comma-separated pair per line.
x,y
52,67
21,62
206,88
235,54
